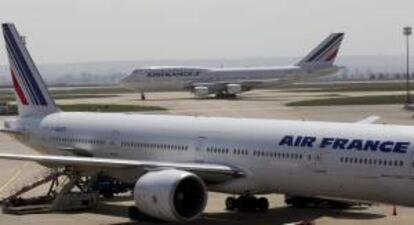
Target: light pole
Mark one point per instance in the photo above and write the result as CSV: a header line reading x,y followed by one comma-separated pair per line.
x,y
407,32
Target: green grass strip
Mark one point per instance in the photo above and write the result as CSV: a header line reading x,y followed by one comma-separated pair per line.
x,y
359,100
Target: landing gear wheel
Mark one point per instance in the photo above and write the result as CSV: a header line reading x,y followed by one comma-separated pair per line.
x,y
262,204
231,96
247,203
242,204
134,213
219,95
231,203
222,95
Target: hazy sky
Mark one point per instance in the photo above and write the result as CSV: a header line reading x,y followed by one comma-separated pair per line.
x,y
96,30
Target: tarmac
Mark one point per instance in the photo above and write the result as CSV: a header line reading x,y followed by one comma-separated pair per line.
x,y
255,104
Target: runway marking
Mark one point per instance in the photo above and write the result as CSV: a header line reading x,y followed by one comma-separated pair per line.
x,y
13,178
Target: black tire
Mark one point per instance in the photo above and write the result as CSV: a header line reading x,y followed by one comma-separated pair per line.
x,y
134,213
231,96
262,204
231,203
242,204
247,204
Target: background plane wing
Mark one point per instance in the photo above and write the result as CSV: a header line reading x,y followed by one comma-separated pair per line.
x,y
246,84
211,172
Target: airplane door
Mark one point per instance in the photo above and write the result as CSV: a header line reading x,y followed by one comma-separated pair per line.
x,y
320,161
199,149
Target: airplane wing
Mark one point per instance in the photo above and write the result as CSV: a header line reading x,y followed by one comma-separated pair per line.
x,y
246,84
369,120
213,172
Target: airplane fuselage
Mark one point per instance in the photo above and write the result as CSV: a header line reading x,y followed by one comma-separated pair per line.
x,y
185,78
342,160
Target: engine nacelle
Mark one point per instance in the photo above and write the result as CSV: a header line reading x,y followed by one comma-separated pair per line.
x,y
171,195
201,91
233,88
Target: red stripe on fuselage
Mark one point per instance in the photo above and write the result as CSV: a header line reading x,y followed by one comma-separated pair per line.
x,y
18,89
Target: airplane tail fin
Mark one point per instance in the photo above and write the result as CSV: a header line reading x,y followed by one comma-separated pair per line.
x,y
325,53
32,96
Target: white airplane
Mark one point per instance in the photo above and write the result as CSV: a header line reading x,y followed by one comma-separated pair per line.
x,y
175,160
228,82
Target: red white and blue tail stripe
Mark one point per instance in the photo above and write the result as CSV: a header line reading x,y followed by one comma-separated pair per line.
x,y
325,53
30,89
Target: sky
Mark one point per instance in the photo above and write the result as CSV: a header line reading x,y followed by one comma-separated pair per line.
x,y
114,30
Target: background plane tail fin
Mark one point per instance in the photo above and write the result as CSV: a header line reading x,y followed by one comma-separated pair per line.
x,y
325,53
32,95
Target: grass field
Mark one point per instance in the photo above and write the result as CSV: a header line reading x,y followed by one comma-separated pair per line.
x,y
76,93
100,90
346,87
72,91
101,108
108,108
359,100
10,97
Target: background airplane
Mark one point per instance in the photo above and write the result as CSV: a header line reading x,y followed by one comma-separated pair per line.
x,y
173,161
228,82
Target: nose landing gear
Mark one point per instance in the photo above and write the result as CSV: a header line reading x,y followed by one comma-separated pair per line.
x,y
247,203
143,96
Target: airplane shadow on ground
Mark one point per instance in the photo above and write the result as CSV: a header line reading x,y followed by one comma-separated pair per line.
x,y
280,215
164,99
239,98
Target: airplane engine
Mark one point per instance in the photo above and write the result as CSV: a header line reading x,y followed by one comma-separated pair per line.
x,y
170,195
201,91
233,88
